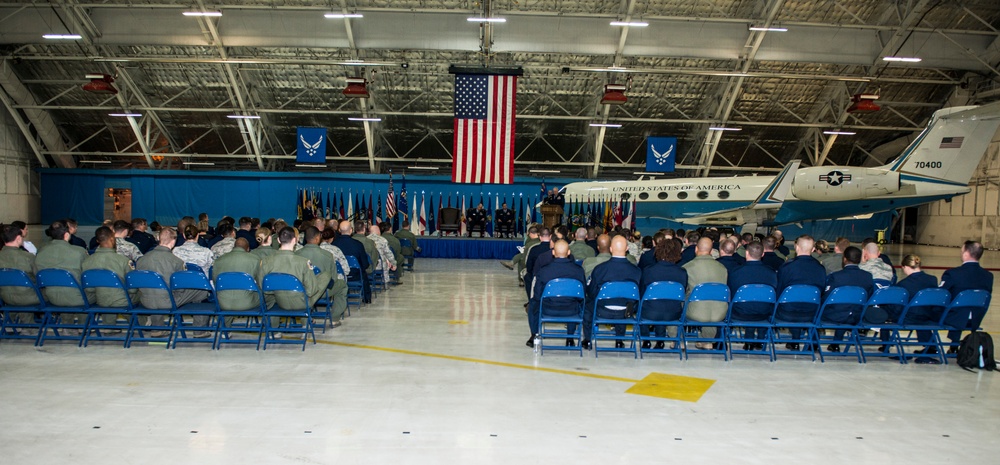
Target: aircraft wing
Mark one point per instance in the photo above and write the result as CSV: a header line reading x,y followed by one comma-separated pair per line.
x,y
763,208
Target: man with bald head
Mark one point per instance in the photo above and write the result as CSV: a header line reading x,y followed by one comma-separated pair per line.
x,y
873,264
803,269
579,248
728,257
616,268
560,267
352,248
704,269
603,254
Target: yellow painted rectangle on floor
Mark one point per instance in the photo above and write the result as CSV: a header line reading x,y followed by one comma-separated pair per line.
x,y
674,387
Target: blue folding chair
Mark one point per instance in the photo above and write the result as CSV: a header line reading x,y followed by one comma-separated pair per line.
x,y
408,262
801,294
846,296
736,328
252,325
61,278
194,280
660,291
323,311
931,302
355,285
298,320
706,292
193,267
884,298
12,328
102,321
616,290
955,316
149,282
561,288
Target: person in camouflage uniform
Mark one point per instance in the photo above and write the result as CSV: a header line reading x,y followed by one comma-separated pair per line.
x,y
395,246
338,255
387,261
228,235
126,248
192,252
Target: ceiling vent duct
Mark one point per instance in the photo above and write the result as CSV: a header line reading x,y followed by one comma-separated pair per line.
x,y
100,84
614,94
356,88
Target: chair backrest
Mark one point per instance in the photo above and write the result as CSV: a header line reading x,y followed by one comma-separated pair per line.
x,y
193,279
761,293
882,283
933,297
800,293
892,295
54,277
404,242
16,278
283,282
193,267
352,262
91,279
148,279
340,269
710,291
563,287
235,281
971,298
449,216
664,290
847,295
618,290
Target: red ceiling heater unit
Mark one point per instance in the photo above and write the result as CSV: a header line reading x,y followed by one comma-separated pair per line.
x,y
100,84
356,88
614,94
863,103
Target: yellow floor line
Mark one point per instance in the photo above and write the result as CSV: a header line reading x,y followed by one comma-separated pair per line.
x,y
481,361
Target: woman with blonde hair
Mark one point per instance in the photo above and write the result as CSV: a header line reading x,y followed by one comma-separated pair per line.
x,y
263,237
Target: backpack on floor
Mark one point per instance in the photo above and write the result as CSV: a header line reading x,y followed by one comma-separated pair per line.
x,y
976,351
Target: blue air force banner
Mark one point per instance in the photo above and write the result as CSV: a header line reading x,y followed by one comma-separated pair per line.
x,y
310,145
661,153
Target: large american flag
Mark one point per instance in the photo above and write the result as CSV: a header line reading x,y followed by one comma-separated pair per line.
x,y
484,129
390,201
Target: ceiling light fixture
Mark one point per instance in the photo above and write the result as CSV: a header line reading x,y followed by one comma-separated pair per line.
x,y
343,15
303,165
214,14
97,162
544,171
903,59
630,23
486,20
199,163
839,133
647,173
369,120
723,128
134,115
62,36
768,29
605,125
243,116
422,167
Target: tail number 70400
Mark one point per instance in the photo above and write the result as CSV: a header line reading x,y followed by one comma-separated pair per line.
x,y
928,164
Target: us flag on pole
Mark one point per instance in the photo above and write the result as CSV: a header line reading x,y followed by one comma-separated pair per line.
x,y
484,129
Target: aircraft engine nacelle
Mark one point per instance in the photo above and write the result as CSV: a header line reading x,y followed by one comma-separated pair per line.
x,y
837,183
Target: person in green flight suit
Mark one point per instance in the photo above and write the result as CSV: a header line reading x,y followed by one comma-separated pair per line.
x,y
361,235
60,254
405,233
395,246
106,257
327,266
13,256
239,260
285,261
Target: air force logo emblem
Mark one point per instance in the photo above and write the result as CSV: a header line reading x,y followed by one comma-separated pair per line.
x,y
311,145
311,149
661,154
835,178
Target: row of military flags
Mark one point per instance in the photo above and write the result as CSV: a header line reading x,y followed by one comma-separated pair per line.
x,y
592,212
522,206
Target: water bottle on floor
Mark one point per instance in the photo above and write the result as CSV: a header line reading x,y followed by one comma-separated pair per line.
x,y
538,343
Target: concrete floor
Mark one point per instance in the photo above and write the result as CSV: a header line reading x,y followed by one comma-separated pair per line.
x,y
436,371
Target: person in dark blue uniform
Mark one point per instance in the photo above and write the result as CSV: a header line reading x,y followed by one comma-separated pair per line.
x,y
561,267
753,271
668,252
476,219
351,247
542,248
142,239
968,276
728,257
851,275
779,243
618,268
246,223
915,281
505,221
649,257
73,239
803,269
770,258
688,253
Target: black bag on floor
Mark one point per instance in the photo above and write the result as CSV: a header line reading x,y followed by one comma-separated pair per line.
x,y
976,351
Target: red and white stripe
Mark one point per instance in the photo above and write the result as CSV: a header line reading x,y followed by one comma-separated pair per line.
x,y
484,148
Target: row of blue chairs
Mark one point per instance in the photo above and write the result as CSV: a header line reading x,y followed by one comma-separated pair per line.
x,y
806,336
98,323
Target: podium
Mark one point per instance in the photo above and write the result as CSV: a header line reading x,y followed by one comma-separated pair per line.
x,y
551,215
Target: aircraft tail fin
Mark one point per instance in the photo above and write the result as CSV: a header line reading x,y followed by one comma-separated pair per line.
x,y
951,147
774,194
